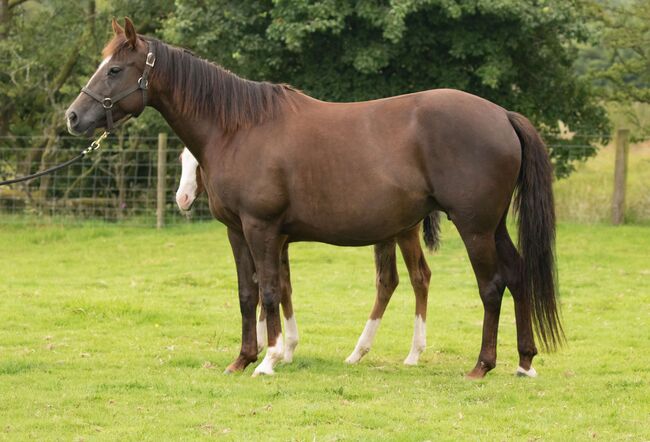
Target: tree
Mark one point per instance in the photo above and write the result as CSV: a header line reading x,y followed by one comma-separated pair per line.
x,y
516,53
626,42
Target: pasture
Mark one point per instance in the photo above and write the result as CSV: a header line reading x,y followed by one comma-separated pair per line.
x,y
113,333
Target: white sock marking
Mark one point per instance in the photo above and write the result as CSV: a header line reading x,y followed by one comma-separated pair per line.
x,y
261,336
365,341
273,356
419,341
291,338
531,372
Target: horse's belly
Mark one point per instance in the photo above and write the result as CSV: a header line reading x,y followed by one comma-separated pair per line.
x,y
357,222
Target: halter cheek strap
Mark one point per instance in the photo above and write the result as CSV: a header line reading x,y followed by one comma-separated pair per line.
x,y
143,85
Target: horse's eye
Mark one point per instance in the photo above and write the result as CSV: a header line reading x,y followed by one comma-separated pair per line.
x,y
114,70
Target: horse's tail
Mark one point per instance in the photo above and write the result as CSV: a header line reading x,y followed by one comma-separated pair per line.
x,y
536,211
431,230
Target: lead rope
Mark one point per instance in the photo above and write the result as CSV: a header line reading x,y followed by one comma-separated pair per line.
x,y
96,144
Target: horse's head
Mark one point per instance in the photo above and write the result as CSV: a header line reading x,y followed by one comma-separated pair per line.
x,y
119,86
191,185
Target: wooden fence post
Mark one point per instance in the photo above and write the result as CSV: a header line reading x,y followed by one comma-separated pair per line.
x,y
162,174
620,176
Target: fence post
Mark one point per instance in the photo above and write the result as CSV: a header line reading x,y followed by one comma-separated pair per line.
x,y
620,176
162,173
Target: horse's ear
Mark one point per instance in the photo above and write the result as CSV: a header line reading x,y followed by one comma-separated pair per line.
x,y
129,31
117,29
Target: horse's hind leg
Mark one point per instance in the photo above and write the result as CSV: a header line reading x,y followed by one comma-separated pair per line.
x,y
512,264
420,275
386,281
481,248
290,326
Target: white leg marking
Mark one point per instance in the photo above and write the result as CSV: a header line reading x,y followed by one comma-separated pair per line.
x,y
291,338
531,372
365,341
273,356
261,336
419,341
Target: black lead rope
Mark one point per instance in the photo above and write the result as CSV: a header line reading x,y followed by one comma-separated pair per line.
x,y
93,147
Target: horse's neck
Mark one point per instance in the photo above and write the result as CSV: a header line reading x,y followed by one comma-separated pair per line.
x,y
195,133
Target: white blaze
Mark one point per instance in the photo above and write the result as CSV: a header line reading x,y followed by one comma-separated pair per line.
x,y
187,188
99,68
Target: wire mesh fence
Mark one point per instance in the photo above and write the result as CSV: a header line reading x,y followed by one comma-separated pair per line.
x,y
118,183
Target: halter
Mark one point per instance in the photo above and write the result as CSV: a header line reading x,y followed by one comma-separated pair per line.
x,y
143,83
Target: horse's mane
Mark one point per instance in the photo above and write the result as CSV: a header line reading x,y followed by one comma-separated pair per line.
x,y
202,88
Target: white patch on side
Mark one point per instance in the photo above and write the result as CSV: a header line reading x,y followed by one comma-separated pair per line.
x,y
187,188
365,341
531,372
291,338
261,336
419,341
273,356
99,68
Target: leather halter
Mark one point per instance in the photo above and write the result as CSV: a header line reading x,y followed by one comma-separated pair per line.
x,y
143,84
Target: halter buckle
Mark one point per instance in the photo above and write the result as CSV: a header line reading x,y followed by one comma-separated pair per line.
x,y
107,103
151,59
144,84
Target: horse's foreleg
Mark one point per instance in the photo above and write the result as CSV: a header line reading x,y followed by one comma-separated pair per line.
x,y
386,281
291,328
420,275
248,298
266,247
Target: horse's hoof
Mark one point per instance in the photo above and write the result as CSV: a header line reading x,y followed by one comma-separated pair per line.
x,y
523,373
476,374
262,372
412,360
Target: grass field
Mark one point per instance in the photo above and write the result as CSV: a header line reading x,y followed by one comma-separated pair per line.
x,y
111,333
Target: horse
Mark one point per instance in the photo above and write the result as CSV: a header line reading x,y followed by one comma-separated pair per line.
x,y
191,186
281,167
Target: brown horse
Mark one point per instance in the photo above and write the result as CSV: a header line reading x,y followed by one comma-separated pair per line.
x,y
191,186
280,167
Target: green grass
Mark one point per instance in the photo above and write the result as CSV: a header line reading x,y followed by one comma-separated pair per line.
x,y
111,333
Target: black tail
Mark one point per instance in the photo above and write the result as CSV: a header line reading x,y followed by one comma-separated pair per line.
x,y
535,207
431,231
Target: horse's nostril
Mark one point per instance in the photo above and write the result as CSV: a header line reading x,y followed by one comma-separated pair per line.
x,y
72,117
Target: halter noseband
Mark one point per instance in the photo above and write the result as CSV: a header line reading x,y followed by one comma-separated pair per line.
x,y
143,84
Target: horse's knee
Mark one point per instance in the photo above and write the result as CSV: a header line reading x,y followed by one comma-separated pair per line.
x,y
270,301
387,282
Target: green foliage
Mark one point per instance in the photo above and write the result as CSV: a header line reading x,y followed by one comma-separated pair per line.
x,y
518,54
626,43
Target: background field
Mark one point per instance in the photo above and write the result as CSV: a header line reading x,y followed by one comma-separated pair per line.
x,y
113,333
